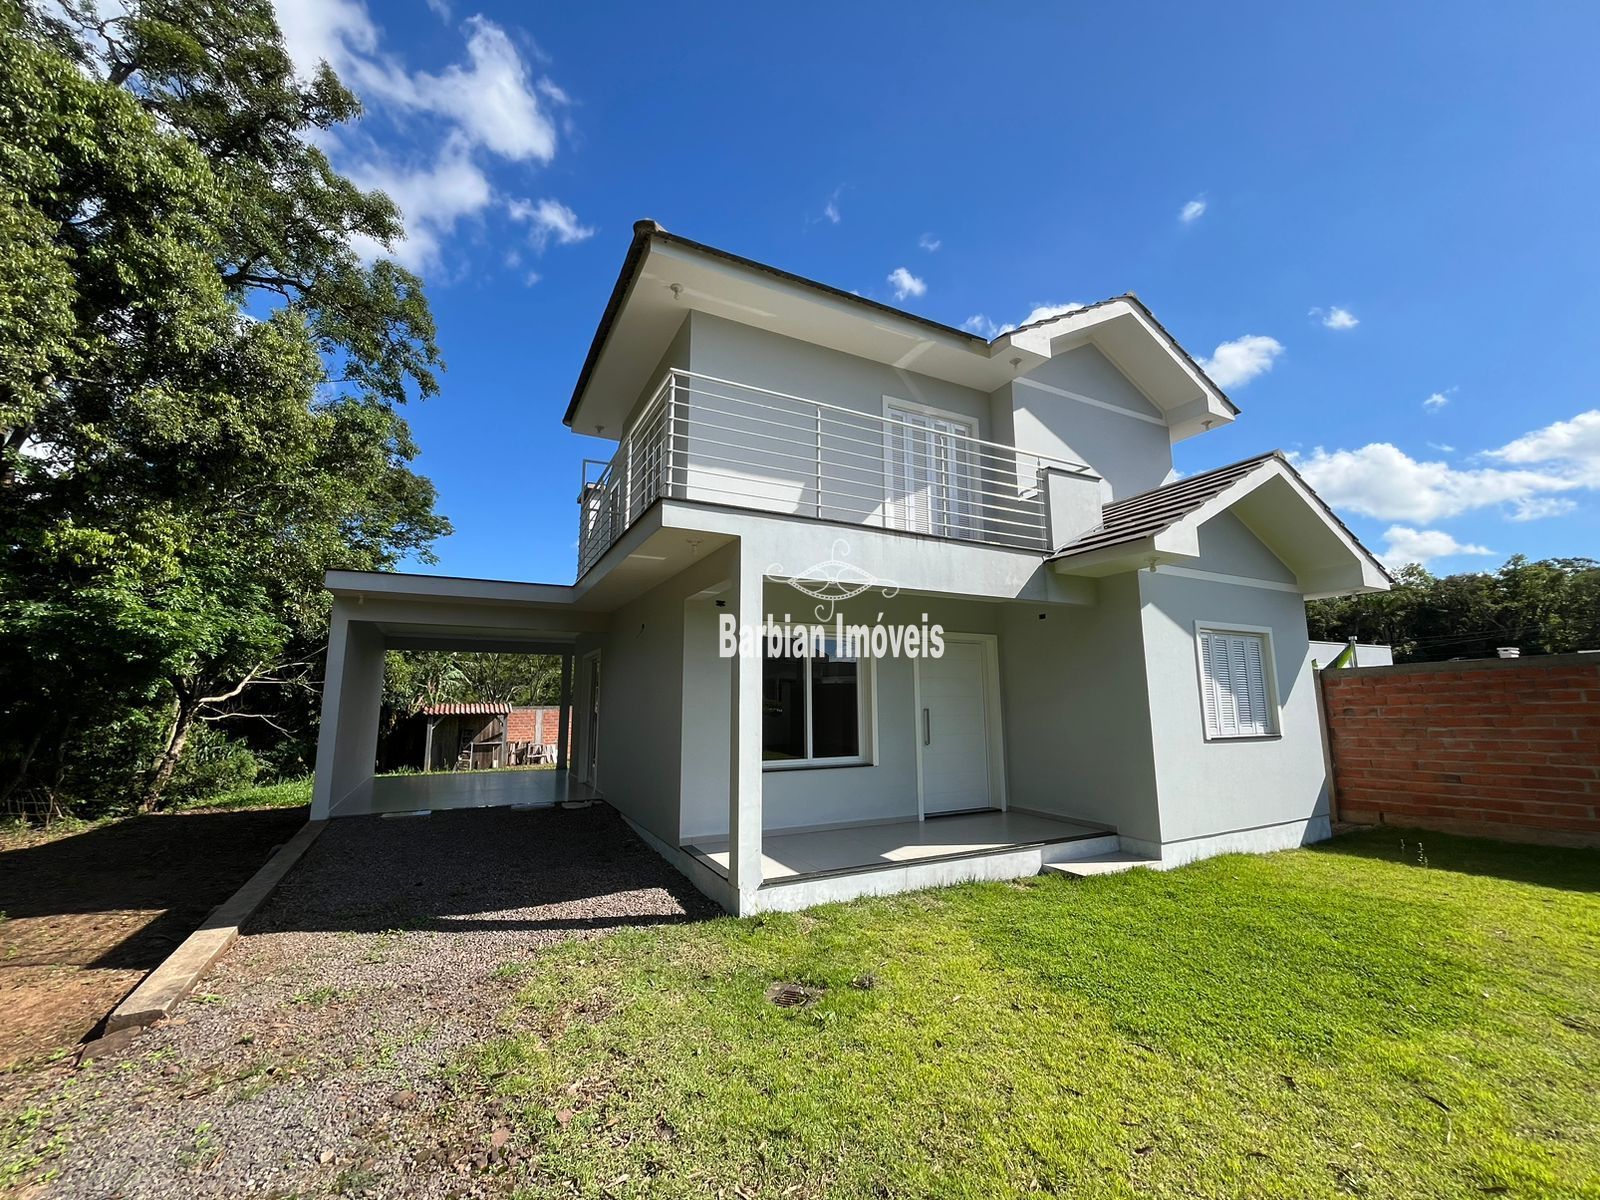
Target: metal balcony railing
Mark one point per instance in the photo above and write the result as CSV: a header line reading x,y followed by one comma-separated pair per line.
x,y
722,442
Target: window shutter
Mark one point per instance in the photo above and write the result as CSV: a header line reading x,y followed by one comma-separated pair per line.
x,y
1255,688
1208,683
1233,686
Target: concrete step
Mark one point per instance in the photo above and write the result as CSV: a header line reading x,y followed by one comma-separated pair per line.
x,y
1081,848
1098,864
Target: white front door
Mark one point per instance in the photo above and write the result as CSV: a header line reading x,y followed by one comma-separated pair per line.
x,y
953,729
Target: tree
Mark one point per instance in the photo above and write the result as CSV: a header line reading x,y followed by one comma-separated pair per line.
x,y
414,679
200,384
1547,607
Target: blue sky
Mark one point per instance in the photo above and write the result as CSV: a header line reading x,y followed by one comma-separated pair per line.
x,y
1378,221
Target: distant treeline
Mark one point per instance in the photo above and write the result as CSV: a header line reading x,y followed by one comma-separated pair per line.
x,y
1546,607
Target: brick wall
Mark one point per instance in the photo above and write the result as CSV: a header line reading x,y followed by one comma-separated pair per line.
x,y
1506,748
542,724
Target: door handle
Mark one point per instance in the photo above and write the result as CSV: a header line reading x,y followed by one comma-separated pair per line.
x,y
927,728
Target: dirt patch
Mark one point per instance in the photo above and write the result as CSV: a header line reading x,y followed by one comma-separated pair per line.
x,y
88,914
313,1058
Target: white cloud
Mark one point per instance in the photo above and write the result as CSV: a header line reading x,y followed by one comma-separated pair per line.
x,y
1536,508
1336,317
330,31
1404,545
1442,447
1437,400
830,210
1379,480
492,99
1043,312
489,103
1572,447
905,283
929,243
983,326
550,219
1235,363
1193,210
432,200
552,91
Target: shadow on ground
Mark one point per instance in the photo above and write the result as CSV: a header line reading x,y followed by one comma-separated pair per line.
x,y
1565,867
88,914
477,870
180,865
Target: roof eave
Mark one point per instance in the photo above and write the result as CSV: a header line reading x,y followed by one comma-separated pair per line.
x,y
646,232
1179,539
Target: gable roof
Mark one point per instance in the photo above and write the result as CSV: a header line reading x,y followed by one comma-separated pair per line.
x,y
965,352
1266,492
1148,513
1130,300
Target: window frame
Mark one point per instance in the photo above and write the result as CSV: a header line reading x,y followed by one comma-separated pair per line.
x,y
866,723
1269,675
964,487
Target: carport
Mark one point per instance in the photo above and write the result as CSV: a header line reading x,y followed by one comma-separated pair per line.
x,y
374,613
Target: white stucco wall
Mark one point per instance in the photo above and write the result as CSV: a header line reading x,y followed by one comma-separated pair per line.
x,y
732,451
1206,788
1122,436
732,351
707,711
642,715
742,446
1078,735
886,789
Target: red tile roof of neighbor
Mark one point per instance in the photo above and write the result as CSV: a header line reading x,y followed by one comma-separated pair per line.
x,y
475,708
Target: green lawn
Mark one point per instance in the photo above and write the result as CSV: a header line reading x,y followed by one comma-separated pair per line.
x,y
286,793
1371,1018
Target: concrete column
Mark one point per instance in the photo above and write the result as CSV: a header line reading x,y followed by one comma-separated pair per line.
x,y
744,742
564,714
427,745
352,693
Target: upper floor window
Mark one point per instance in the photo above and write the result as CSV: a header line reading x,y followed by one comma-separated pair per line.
x,y
1236,685
931,470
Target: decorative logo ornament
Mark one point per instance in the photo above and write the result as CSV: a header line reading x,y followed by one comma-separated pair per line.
x,y
833,580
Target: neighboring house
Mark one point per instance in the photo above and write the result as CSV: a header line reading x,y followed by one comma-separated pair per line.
x,y
1127,670
482,735
465,736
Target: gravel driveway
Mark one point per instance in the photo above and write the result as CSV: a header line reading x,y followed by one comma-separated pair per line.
x,y
308,1063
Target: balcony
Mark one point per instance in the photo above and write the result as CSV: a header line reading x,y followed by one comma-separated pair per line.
x,y
717,441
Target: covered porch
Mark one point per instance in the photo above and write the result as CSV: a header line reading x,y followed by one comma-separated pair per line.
x,y
376,613
802,867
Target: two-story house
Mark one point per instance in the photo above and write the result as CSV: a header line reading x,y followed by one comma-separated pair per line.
x,y
1126,674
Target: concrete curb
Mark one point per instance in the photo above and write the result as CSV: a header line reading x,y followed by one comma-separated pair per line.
x,y
159,992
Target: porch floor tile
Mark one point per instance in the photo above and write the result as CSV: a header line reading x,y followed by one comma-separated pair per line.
x,y
817,851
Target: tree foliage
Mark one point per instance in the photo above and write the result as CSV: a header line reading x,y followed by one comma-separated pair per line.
x,y
199,387
1546,607
414,679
